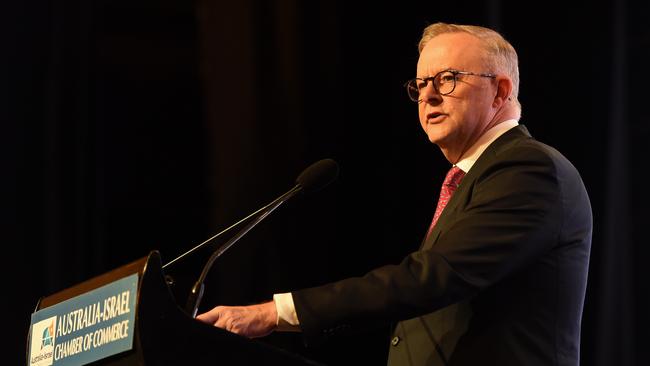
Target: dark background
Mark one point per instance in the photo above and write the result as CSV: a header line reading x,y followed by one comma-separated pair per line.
x,y
132,126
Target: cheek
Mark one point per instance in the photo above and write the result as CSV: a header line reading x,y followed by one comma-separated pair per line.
x,y
479,105
422,114
463,110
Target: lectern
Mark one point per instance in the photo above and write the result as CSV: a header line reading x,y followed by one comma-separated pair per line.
x,y
128,316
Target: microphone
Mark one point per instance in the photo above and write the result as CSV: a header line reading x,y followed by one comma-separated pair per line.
x,y
314,178
318,175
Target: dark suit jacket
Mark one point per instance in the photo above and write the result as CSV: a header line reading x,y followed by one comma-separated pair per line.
x,y
500,280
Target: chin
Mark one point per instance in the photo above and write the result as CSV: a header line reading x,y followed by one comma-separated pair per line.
x,y
435,135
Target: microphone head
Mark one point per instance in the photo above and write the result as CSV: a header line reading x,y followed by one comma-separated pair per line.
x,y
318,175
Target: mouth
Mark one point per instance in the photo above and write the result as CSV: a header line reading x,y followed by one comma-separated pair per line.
x,y
435,117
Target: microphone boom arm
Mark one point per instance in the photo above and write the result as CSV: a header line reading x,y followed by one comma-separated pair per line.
x,y
194,300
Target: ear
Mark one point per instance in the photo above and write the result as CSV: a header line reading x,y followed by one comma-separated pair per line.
x,y
503,92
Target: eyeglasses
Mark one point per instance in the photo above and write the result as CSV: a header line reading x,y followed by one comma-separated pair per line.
x,y
444,83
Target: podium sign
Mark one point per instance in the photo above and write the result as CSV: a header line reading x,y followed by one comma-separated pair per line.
x,y
85,328
129,317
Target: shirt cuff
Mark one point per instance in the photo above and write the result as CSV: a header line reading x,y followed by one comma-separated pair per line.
x,y
287,320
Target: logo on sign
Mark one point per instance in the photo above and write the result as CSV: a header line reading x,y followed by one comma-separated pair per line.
x,y
43,336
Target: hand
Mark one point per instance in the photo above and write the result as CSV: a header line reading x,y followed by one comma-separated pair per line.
x,y
249,321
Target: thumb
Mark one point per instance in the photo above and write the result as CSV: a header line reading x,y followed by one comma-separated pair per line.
x,y
209,317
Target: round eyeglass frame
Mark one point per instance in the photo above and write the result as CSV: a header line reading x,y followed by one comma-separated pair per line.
x,y
412,86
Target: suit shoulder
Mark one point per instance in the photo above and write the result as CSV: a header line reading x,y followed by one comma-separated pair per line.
x,y
532,150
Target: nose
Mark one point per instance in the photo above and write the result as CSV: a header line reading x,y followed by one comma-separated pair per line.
x,y
429,95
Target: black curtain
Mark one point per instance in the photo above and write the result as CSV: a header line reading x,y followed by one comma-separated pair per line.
x,y
131,127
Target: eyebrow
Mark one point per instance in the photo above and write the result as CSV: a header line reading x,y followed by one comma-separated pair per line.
x,y
447,67
436,73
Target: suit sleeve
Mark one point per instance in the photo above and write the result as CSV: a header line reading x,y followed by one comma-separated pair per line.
x,y
511,216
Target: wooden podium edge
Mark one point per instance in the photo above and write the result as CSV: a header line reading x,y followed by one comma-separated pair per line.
x,y
137,266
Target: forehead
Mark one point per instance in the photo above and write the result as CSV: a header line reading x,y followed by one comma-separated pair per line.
x,y
450,50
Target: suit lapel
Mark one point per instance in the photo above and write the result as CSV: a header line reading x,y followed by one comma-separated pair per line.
x,y
464,189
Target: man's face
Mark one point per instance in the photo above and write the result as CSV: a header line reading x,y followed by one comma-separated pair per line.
x,y
455,121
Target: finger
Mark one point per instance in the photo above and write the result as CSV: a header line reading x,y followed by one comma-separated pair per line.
x,y
223,321
210,317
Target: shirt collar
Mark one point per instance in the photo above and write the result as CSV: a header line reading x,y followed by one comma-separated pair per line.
x,y
473,153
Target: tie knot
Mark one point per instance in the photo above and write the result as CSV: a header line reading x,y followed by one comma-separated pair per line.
x,y
454,176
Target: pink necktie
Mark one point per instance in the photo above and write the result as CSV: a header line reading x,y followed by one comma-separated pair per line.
x,y
452,180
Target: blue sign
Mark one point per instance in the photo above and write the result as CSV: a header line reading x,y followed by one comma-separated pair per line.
x,y
85,328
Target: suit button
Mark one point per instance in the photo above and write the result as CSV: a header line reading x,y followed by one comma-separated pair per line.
x,y
395,341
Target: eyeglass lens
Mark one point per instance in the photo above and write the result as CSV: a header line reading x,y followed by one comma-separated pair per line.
x,y
443,83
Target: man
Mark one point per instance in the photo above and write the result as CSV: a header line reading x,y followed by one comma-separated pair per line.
x,y
501,275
